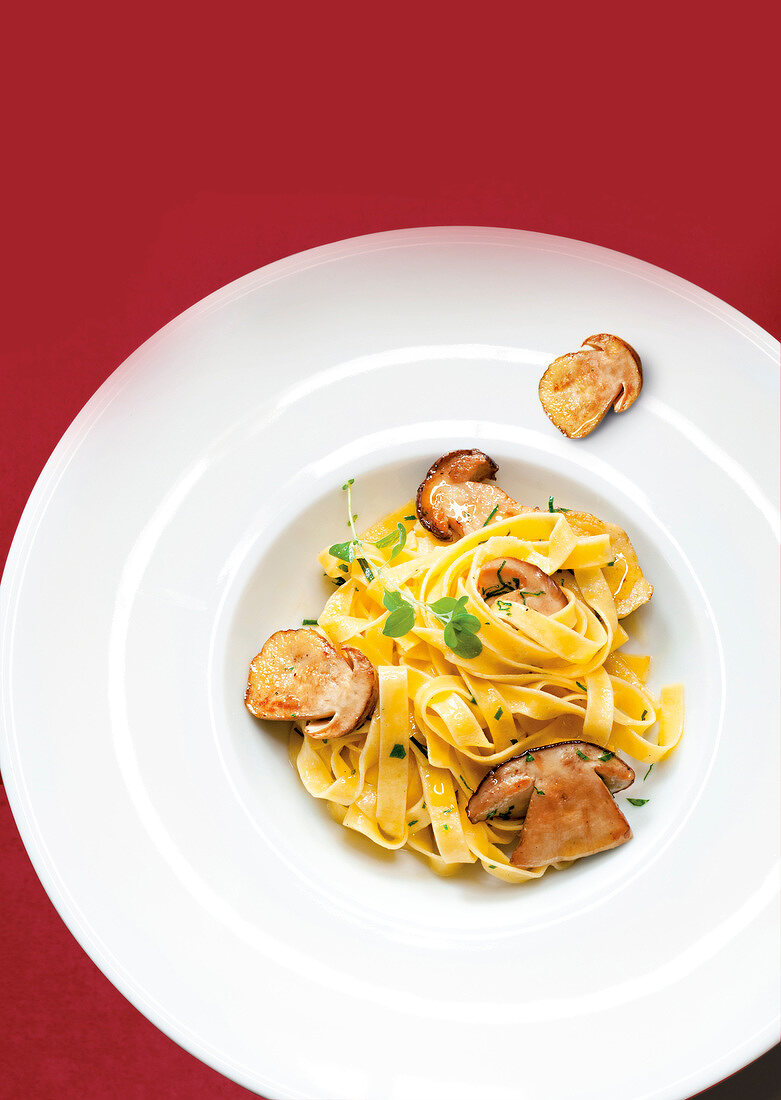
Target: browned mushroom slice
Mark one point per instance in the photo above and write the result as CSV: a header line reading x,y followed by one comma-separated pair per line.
x,y
517,581
577,389
454,499
624,576
564,792
299,675
503,793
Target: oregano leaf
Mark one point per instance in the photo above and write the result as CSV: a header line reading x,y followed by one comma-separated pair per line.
x,y
402,537
345,551
399,622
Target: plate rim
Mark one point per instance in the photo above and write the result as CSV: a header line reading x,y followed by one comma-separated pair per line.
x,y
55,467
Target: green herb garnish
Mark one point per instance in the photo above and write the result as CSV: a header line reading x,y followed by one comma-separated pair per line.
x,y
421,748
367,569
499,713
460,627
581,686
647,773
397,537
491,516
398,752
638,801
345,551
552,508
582,755
606,755
402,615
397,549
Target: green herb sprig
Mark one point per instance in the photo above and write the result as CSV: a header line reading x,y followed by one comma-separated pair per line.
x,y
460,627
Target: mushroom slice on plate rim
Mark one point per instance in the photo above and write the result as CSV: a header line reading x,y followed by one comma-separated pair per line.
x,y
578,388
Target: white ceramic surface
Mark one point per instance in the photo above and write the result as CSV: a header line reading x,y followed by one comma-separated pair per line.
x,y
176,526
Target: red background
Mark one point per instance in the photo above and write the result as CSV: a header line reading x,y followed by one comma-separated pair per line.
x,y
153,154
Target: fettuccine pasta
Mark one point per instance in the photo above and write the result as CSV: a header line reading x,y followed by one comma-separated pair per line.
x,y
442,721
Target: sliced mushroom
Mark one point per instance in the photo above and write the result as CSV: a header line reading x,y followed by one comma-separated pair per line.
x,y
564,792
454,500
518,581
299,675
577,389
624,576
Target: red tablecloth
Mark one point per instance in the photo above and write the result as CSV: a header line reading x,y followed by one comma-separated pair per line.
x,y
154,154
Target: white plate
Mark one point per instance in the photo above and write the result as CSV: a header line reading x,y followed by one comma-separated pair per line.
x,y
175,527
